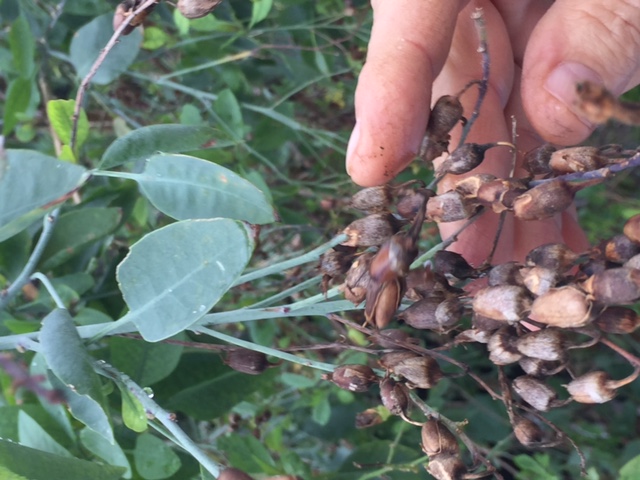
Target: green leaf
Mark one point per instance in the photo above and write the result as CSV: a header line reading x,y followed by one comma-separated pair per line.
x,y
37,465
227,106
631,469
6,474
30,180
144,142
186,187
23,47
112,454
33,435
247,453
77,229
16,103
154,459
174,275
260,10
154,38
88,42
321,412
134,415
60,114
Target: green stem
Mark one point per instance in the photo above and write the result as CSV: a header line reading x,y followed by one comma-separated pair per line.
x,y
286,293
52,291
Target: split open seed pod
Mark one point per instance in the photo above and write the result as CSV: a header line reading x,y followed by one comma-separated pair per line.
x,y
446,467
597,386
620,249
418,371
382,301
576,159
505,274
358,278
438,439
507,303
564,307
369,418
500,194
544,200
469,186
539,280
445,262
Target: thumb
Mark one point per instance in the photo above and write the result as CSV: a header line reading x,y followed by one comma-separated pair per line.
x,y
577,40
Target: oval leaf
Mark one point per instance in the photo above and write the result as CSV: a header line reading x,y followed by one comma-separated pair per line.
x,y
187,187
154,459
144,142
91,39
112,454
174,275
31,434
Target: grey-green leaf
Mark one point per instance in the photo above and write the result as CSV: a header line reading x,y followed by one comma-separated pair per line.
x,y
33,435
174,275
110,453
144,142
187,187
154,459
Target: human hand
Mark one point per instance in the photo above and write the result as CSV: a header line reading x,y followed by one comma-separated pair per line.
x,y
539,50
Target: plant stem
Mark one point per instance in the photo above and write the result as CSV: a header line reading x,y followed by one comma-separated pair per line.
x,y
286,293
52,291
164,417
47,229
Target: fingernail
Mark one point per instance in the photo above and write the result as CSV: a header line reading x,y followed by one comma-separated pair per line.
x,y
561,82
353,142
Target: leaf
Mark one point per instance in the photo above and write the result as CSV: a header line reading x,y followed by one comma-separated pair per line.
x,y
6,474
227,106
30,180
154,38
260,10
37,465
77,229
60,114
23,47
154,459
321,412
33,435
134,415
16,103
630,469
146,363
144,142
90,39
174,275
112,454
247,453
186,187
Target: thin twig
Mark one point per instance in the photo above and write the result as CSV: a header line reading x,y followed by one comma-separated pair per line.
x,y
49,287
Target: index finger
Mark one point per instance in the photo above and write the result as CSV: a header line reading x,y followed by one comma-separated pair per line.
x,y
410,41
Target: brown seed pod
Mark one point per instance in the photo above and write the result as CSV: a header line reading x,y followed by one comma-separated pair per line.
x,y
507,303
433,314
438,439
632,229
620,249
480,322
126,9
536,161
445,262
546,344
233,474
539,280
424,283
469,186
540,368
371,231
358,278
355,378
372,199
618,320
197,8
505,274
445,114
464,158
576,159
501,347
564,307
382,301
394,396
369,418
334,263
247,361
554,256
446,467
536,393
418,371
526,432
633,262
597,386
473,335
410,201
614,286
450,207
544,200
500,194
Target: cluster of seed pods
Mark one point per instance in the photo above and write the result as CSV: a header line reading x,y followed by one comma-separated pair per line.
x,y
532,314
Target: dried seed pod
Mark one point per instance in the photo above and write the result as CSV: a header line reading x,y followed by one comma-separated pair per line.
x,y
126,9
473,335
507,303
539,280
433,314
632,229
546,344
424,283
334,263
197,8
501,347
620,249
446,467
536,161
633,262
233,474
597,386
411,200
369,418
614,286
486,324
618,320
544,200
576,159
246,361
540,368
433,148
505,274
500,194
355,378
371,231
536,393
393,335
564,307
554,256
445,262
382,301
450,207
469,186
464,158
526,432
372,199
438,439
418,371
394,396
445,114
358,278
393,259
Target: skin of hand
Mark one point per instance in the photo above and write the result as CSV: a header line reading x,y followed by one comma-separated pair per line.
x,y
539,49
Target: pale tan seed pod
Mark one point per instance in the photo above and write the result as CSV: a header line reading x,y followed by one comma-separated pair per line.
x,y
544,200
540,368
480,322
564,307
633,262
501,347
597,386
536,161
546,344
536,393
526,431
358,278
371,231
372,199
539,280
615,286
618,320
507,303
632,229
418,371
469,186
433,314
446,467
576,159
449,207
438,439
620,249
355,378
554,256
473,335
233,474
505,274
197,8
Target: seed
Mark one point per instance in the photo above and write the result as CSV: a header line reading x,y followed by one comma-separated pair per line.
x,y
446,467
371,231
419,371
504,302
449,207
536,161
358,278
620,249
614,286
382,301
505,274
438,439
527,432
372,199
394,396
247,361
468,187
445,114
544,200
197,8
554,256
355,378
546,344
618,320
564,307
501,347
539,280
540,368
535,392
575,159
